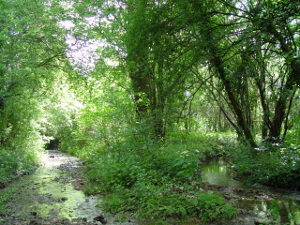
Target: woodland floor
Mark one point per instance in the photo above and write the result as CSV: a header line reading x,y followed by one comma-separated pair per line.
x,y
53,195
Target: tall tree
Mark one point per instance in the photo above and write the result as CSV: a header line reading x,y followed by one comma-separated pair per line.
x,y
160,43
228,33
151,47
275,23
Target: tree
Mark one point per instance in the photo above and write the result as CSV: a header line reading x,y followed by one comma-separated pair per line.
x,y
275,23
241,50
32,50
147,38
32,59
229,35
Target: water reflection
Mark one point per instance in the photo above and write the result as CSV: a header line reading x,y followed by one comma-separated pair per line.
x,y
218,172
49,192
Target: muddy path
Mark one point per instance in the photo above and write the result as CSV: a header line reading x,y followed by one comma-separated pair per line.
x,y
53,195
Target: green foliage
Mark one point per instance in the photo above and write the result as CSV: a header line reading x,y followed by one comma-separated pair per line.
x,y
113,203
32,53
21,142
18,162
126,168
28,124
60,109
151,177
160,180
292,137
6,196
139,127
152,201
278,167
92,188
274,209
213,207
206,144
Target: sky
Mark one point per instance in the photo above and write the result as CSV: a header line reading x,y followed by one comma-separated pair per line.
x,y
82,53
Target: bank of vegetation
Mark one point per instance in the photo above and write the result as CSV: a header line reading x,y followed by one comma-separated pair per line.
x,y
143,91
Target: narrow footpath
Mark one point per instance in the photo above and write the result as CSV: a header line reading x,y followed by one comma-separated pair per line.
x,y
53,195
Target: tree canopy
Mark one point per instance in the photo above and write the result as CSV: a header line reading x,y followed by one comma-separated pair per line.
x,y
129,81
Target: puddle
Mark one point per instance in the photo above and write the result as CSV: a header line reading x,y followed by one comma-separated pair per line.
x,y
217,172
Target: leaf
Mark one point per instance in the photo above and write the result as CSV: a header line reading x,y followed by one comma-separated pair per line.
x,y
180,162
150,200
180,172
186,173
182,210
296,119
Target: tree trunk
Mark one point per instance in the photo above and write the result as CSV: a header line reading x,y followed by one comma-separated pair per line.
x,y
240,117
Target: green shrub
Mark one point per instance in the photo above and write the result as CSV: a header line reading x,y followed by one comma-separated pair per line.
x,y
151,201
274,209
160,181
6,196
278,167
213,207
16,163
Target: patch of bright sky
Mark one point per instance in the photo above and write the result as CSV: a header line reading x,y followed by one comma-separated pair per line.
x,y
81,51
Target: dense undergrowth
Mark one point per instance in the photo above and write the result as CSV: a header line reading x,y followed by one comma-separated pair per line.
x,y
159,180
20,158
14,164
6,196
277,165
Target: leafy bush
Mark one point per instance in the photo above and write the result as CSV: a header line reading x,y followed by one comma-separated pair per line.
x,y
213,207
274,209
151,201
277,167
160,181
16,163
142,174
6,196
207,144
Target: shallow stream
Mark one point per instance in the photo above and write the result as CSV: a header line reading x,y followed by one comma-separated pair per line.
x,y
53,195
252,196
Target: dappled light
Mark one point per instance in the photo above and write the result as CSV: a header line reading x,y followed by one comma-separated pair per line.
x,y
149,112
